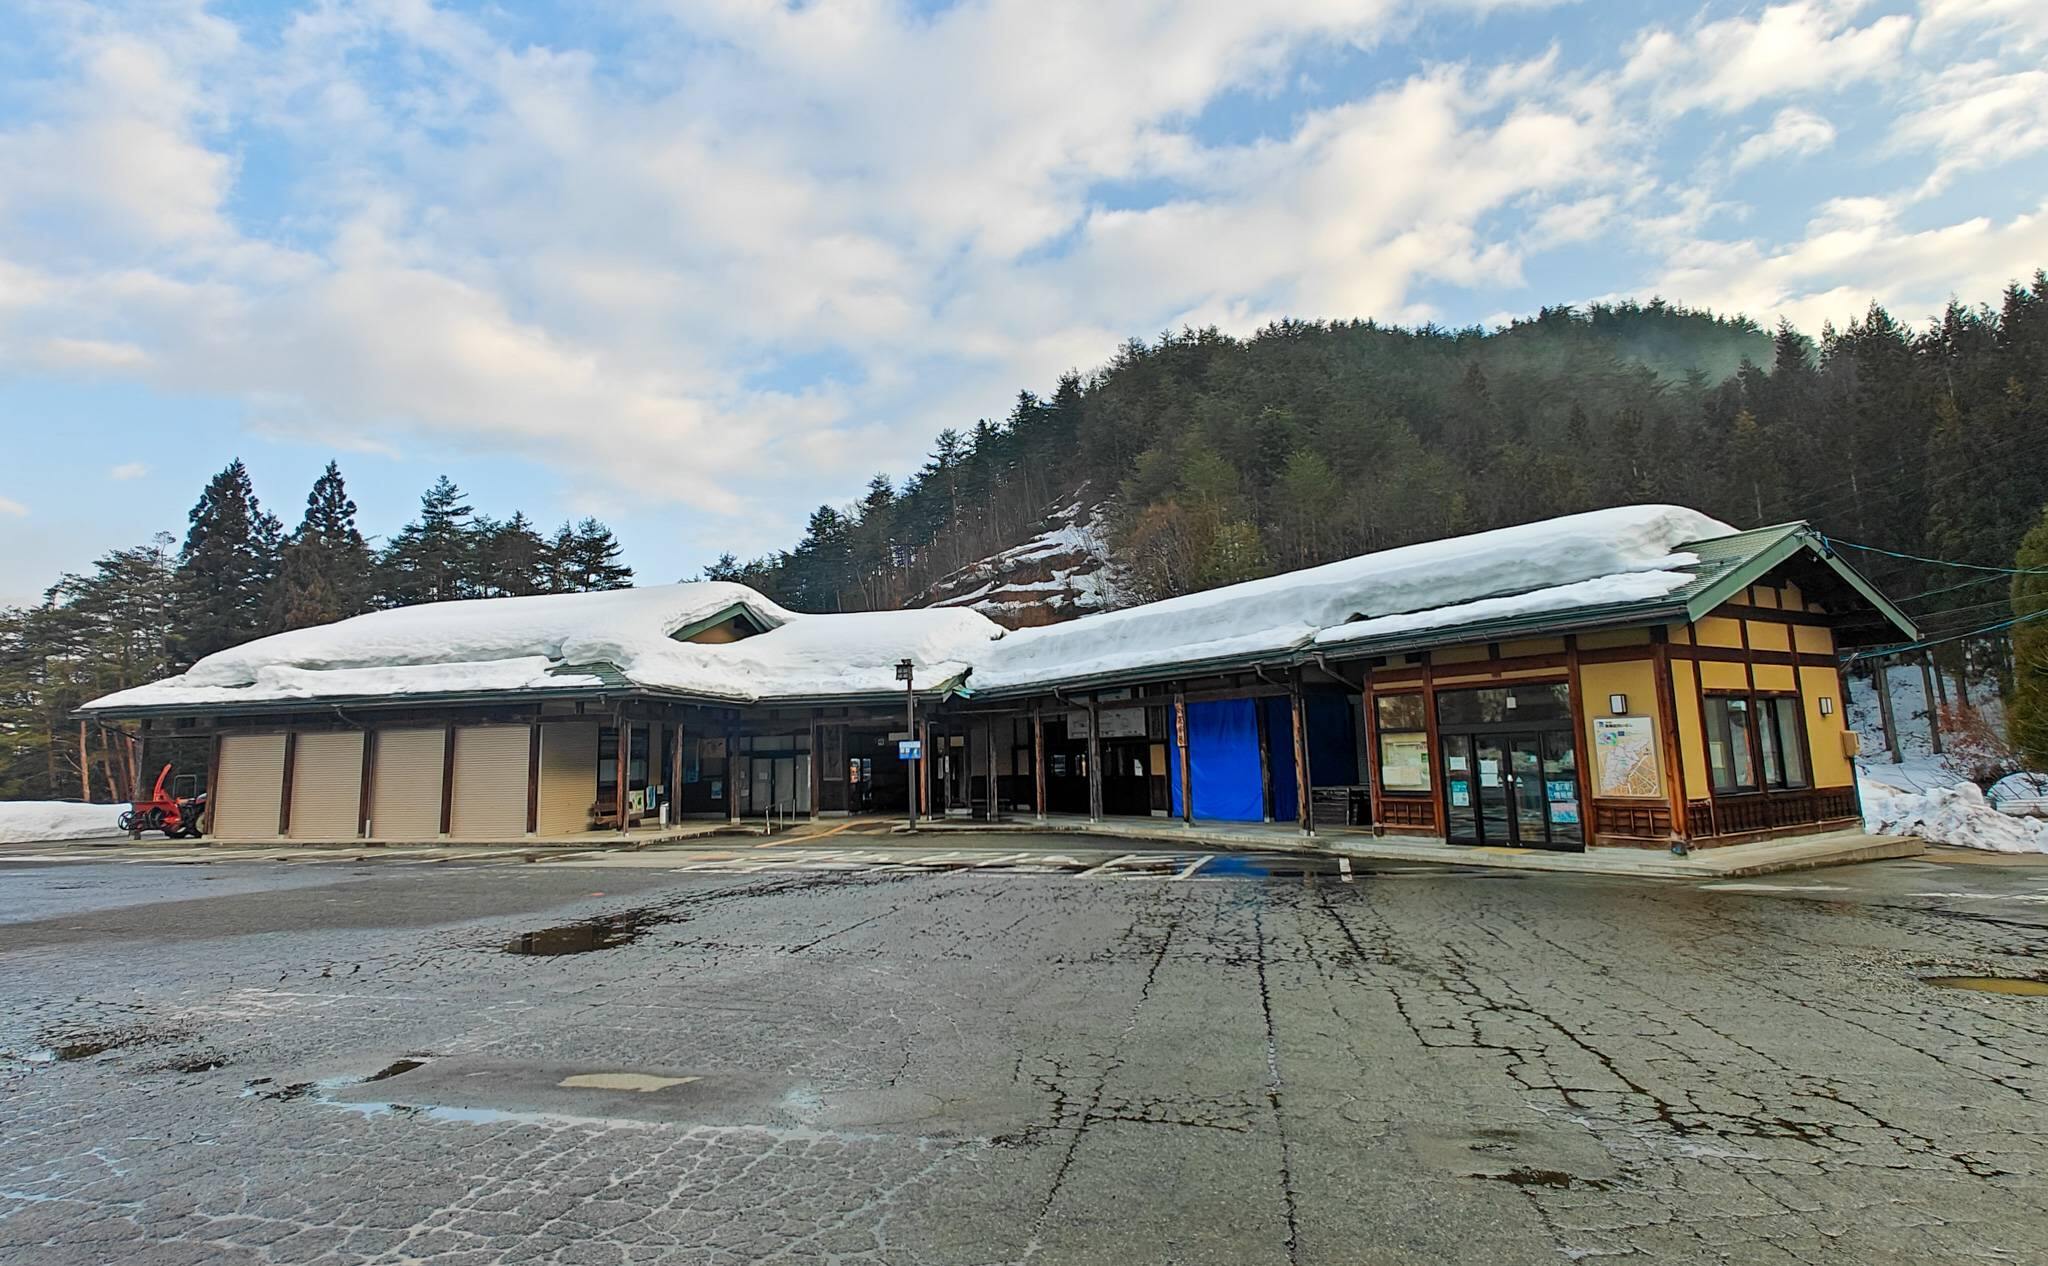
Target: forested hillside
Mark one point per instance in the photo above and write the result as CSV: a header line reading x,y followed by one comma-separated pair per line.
x,y
1232,458
146,612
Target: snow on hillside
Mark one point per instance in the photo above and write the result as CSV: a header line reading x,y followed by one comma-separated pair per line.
x,y
1921,795
1920,769
1062,572
35,821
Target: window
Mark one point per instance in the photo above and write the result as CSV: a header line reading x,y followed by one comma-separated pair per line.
x,y
1754,742
1404,743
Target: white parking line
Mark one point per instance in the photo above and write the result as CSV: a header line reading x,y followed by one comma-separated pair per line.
x,y
1196,865
1344,868
1112,862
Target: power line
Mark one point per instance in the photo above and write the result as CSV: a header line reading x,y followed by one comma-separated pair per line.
x,y
1830,542
1921,645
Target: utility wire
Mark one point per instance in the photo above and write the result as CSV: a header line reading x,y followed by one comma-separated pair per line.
x,y
1882,651
1830,542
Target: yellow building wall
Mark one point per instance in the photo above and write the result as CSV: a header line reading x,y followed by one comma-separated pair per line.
x,y
1811,639
1763,596
1457,655
1532,646
1832,767
1638,680
1769,635
1718,630
1715,675
1774,677
718,634
1690,754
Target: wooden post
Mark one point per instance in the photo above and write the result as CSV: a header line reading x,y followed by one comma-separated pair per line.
x,y
1298,720
1581,743
622,765
1038,758
84,767
1928,696
675,778
1433,758
988,736
284,799
1667,729
1180,745
1369,768
212,784
368,788
1094,760
1264,743
447,779
921,770
732,773
533,778
817,770
1884,710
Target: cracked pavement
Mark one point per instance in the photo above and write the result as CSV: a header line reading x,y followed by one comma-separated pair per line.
x,y
965,1066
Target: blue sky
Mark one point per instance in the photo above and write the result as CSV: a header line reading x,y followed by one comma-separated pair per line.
x,y
698,267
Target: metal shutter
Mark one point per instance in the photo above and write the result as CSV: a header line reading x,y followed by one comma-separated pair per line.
x,y
405,787
568,778
327,785
490,782
250,791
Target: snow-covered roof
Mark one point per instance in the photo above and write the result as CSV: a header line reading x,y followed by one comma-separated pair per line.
x,y
584,640
1627,563
1563,563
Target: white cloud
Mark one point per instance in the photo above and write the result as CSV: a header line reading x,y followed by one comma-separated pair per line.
x,y
1793,132
2018,23
128,470
1973,117
1736,62
12,508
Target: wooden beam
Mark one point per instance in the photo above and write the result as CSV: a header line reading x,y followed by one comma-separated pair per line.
x,y
622,764
1180,747
732,772
533,778
1304,809
1370,732
284,799
817,768
1433,759
447,778
1094,760
675,776
212,784
1581,745
1038,759
988,738
369,784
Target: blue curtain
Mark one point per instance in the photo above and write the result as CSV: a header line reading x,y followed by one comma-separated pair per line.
x,y
1280,756
1332,752
1223,761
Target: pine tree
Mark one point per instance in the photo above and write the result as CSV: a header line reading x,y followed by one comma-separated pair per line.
x,y
324,574
226,568
2027,709
510,558
588,558
432,558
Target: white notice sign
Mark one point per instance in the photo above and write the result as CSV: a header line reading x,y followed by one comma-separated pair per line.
x,y
1625,756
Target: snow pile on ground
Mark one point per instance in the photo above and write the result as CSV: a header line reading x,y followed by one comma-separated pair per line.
x,y
33,821
1284,612
1957,815
2020,793
541,642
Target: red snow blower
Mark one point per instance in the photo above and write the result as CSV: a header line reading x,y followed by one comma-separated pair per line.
x,y
176,816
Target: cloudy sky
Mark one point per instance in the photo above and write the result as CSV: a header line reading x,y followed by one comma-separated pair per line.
x,y
698,266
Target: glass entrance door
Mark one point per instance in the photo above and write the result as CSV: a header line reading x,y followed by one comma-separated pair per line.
x,y
1511,790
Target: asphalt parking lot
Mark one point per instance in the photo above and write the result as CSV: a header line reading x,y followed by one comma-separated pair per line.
x,y
1017,1051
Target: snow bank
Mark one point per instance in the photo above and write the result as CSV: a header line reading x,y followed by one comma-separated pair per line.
x,y
1425,582
512,644
1958,815
35,821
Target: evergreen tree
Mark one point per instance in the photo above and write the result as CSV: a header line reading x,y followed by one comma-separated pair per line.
x,y
324,574
510,557
2027,710
226,568
587,558
432,559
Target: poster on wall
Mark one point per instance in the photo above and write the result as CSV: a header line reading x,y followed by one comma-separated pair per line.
x,y
1625,754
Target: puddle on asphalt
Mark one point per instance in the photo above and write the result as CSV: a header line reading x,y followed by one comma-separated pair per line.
x,y
1553,1178
583,936
2018,985
1254,866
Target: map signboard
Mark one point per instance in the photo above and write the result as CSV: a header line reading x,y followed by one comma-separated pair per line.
x,y
1625,756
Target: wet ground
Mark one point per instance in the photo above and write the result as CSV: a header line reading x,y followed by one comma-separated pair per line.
x,y
1024,1052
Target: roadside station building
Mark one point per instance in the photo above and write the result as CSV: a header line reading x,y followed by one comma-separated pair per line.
x,y
1634,676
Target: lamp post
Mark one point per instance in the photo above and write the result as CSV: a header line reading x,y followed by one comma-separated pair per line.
x,y
905,670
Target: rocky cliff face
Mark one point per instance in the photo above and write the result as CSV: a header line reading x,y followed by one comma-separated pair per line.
x,y
1064,570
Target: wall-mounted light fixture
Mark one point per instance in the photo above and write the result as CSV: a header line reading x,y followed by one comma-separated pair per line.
x,y
1827,705
1618,704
